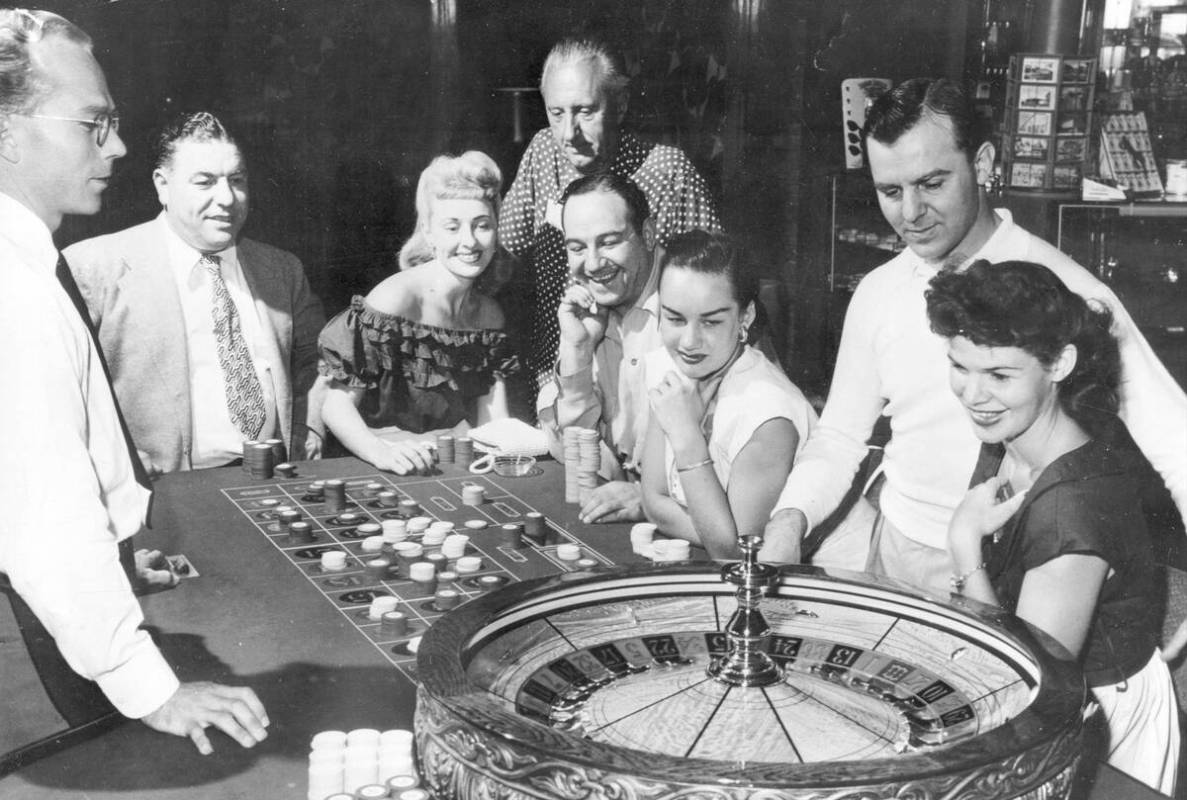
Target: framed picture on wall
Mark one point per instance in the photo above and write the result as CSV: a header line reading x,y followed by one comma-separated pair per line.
x,y
1071,148
1040,69
1037,97
1034,123
1026,175
1067,176
1073,98
1049,110
1078,70
1031,147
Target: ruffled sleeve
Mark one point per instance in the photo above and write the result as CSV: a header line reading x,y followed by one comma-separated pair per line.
x,y
348,350
361,346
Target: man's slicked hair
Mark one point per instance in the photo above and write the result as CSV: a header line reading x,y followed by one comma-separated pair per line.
x,y
21,88
612,77
901,109
638,209
196,126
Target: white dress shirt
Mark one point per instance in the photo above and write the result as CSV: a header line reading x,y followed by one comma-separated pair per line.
x,y
891,363
66,483
610,395
217,439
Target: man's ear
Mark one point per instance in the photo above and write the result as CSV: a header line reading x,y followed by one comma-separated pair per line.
x,y
161,181
9,150
650,237
983,162
620,107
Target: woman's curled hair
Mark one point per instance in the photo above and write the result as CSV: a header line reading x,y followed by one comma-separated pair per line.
x,y
1025,305
471,176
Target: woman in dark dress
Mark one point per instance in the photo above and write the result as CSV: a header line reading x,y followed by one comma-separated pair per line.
x,y
1053,529
424,352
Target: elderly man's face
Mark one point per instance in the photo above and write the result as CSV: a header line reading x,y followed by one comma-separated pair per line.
x,y
582,118
61,168
928,189
606,253
203,190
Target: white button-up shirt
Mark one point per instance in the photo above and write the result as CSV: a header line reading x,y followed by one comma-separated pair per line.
x,y
216,438
66,483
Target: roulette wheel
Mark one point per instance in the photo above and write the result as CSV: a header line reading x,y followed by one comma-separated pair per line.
x,y
693,681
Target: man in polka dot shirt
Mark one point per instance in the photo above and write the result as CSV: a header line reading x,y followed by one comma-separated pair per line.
x,y
585,96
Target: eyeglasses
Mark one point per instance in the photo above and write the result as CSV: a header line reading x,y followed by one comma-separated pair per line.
x,y
103,123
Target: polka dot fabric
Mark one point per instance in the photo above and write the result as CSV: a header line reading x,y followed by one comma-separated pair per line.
x,y
679,198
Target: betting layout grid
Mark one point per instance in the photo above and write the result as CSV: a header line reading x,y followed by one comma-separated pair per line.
x,y
352,590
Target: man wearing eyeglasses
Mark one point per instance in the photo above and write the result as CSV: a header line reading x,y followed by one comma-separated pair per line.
x,y
211,337
70,487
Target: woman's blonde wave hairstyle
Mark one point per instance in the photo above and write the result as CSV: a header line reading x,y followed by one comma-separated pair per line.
x,y
471,176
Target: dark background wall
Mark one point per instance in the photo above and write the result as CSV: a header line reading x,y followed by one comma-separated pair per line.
x,y
340,104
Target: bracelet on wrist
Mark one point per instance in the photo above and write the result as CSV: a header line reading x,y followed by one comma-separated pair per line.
x,y
957,582
698,465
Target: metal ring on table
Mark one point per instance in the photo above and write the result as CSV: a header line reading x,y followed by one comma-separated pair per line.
x,y
483,465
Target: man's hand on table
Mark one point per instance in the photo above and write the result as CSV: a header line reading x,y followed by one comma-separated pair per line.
x,y
154,573
235,710
616,501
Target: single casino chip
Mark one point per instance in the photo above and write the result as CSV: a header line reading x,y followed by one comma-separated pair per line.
x,y
397,737
445,599
328,740
403,783
372,791
468,564
394,623
333,561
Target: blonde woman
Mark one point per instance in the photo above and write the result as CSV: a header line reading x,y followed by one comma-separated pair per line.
x,y
425,351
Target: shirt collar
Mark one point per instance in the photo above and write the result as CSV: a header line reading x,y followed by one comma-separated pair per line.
x,y
27,234
1002,232
186,258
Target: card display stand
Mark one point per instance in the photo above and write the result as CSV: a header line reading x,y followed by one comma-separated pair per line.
x,y
1127,154
1049,109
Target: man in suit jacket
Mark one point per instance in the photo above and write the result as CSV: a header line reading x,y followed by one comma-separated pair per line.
x,y
211,337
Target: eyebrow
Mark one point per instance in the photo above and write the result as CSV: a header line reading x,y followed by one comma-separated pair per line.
x,y
935,173
671,310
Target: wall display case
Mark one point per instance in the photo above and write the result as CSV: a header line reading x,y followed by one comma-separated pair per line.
x,y
1137,249
1049,108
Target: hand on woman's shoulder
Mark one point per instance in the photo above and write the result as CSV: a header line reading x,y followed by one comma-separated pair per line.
x,y
398,295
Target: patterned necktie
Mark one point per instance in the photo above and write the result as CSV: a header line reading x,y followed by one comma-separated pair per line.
x,y
245,396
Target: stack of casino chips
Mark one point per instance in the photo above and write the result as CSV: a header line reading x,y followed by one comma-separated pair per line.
x,y
363,764
258,458
464,451
583,459
445,449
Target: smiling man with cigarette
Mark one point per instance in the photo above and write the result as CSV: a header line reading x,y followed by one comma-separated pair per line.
x,y
607,319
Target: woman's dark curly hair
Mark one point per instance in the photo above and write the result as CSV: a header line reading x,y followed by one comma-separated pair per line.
x,y
1025,305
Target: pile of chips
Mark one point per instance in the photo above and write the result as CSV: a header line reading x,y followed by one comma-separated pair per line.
x,y
583,459
363,763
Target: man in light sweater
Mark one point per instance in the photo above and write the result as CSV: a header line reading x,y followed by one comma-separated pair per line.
x,y
930,161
